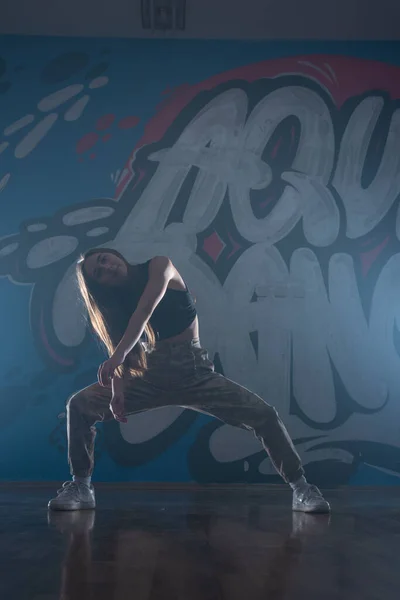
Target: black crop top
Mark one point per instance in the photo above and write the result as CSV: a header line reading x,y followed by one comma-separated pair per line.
x,y
175,312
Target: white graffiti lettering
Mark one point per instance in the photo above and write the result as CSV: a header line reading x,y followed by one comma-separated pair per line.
x,y
310,329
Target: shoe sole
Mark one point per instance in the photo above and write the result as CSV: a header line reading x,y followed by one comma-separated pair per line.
x,y
314,511
70,509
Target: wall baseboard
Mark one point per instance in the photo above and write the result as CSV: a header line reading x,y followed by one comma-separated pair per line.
x,y
137,485
186,487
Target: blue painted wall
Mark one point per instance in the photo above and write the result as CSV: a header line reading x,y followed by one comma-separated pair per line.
x,y
87,128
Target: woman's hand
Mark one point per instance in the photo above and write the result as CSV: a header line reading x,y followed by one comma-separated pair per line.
x,y
106,370
117,407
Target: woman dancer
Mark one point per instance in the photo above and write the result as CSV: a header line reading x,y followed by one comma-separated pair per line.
x,y
126,303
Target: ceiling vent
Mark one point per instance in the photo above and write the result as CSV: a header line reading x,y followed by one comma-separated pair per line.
x,y
163,15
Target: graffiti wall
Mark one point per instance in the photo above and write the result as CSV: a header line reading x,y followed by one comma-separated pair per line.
x,y
270,174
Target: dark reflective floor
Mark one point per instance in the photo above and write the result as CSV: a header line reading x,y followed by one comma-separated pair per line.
x,y
213,544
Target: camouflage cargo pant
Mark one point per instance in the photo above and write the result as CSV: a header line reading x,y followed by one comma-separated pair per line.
x,y
180,374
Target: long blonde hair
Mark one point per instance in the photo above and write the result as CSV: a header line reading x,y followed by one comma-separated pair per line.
x,y
109,310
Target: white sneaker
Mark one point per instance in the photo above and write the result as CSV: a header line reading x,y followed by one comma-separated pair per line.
x,y
74,496
310,500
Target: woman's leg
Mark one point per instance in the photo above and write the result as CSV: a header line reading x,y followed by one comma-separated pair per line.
x,y
84,410
214,394
235,405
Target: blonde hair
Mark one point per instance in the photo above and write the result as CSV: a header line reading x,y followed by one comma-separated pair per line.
x,y
109,310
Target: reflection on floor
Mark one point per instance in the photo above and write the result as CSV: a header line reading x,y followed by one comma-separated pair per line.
x,y
233,544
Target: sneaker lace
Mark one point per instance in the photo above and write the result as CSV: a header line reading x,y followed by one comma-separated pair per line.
x,y
70,489
311,492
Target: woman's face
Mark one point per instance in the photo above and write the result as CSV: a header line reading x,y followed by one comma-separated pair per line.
x,y
106,268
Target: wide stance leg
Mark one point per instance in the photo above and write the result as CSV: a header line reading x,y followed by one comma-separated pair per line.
x,y
91,406
235,405
230,402
84,410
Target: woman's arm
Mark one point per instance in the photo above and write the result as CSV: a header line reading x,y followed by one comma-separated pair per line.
x,y
161,272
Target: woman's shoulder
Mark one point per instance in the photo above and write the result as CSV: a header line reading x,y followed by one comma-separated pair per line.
x,y
160,260
157,266
161,265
